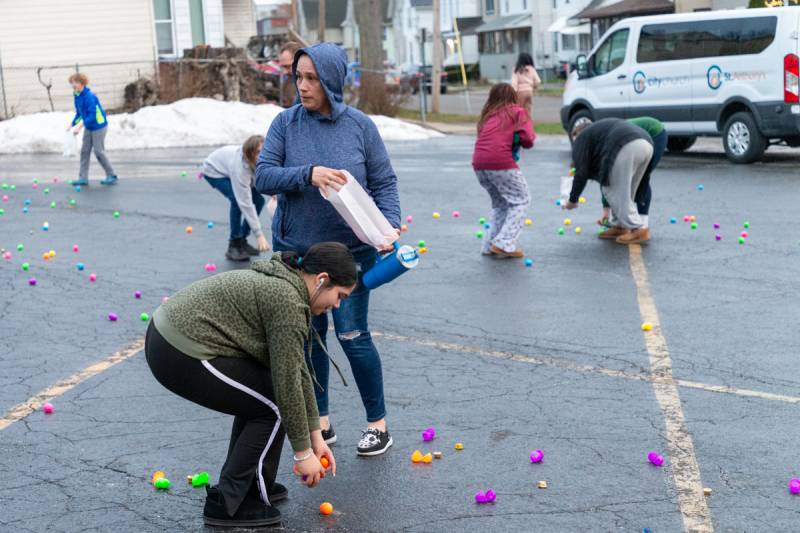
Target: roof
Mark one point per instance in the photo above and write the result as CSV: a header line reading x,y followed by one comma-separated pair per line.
x,y
627,8
506,23
467,25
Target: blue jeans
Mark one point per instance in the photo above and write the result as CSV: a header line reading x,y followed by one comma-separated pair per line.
x,y
352,331
240,229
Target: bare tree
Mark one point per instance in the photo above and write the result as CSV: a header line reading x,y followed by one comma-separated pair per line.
x,y
322,17
372,95
47,86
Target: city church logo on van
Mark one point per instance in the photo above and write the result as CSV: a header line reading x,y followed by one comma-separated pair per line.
x,y
714,77
639,82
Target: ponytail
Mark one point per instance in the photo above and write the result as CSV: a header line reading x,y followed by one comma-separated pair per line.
x,y
332,258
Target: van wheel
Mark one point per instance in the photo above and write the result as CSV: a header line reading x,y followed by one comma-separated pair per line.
x,y
680,144
581,117
742,141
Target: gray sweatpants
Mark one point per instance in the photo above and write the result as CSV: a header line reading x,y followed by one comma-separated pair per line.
x,y
623,180
94,140
508,191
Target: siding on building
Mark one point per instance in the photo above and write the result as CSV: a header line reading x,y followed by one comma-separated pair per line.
x,y
53,32
213,24
240,20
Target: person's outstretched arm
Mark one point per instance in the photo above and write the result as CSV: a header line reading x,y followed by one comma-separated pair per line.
x,y
271,176
240,183
381,179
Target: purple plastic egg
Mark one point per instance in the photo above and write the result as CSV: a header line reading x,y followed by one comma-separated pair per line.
x,y
490,496
718,237
794,486
480,497
112,317
137,295
655,458
427,436
537,456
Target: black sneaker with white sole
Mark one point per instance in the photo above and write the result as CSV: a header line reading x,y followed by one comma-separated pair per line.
x,y
374,442
329,435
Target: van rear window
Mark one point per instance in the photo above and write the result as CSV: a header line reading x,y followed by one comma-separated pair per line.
x,y
705,38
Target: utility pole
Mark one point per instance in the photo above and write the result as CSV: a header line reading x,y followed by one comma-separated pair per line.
x,y
436,70
294,25
321,29
421,80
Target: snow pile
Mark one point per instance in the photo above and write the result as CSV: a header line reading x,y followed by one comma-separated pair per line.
x,y
189,122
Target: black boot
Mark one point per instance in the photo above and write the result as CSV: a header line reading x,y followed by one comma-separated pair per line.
x,y
236,252
252,250
249,514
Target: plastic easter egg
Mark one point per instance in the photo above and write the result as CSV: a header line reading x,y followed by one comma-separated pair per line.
x,y
647,326
92,277
655,459
537,456
48,408
326,508
112,317
32,282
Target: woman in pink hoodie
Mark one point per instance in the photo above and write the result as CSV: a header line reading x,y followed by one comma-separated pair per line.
x,y
525,81
501,121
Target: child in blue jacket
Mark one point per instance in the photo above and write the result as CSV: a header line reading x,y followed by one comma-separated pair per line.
x,y
89,114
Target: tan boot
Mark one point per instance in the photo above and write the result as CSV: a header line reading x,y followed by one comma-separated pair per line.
x,y
499,252
613,232
636,236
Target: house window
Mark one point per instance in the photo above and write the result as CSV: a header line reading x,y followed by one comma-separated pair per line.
x,y
490,7
164,29
197,23
568,42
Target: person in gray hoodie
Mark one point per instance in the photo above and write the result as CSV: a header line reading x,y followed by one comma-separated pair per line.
x,y
304,152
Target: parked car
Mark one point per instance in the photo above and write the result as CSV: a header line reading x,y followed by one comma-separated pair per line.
x,y
718,73
415,73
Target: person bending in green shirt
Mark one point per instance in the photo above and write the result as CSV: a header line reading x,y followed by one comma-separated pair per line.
x,y
644,193
235,343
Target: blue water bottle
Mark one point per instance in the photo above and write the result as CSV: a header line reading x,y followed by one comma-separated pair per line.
x,y
391,266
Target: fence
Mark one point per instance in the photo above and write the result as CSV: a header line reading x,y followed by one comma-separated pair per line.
x,y
36,88
41,88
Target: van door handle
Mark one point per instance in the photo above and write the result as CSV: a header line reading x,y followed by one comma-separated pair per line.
x,y
621,77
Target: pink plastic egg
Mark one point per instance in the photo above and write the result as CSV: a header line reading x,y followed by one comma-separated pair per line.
x,y
655,458
48,408
92,277
794,486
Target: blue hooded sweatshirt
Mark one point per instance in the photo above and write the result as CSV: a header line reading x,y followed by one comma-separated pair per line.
x,y
298,139
88,109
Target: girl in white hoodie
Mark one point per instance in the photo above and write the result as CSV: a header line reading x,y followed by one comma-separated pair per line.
x,y
230,171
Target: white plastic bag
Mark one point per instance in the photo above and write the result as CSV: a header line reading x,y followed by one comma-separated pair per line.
x,y
566,188
362,215
70,144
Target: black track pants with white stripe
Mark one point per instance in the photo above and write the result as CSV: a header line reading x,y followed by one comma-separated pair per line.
x,y
234,386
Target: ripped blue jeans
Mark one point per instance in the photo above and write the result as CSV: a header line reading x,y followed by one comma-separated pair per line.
x,y
352,331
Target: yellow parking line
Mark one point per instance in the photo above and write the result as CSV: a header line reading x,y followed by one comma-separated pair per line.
x,y
20,411
685,470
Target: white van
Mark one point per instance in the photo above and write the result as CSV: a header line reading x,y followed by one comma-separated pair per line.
x,y
729,73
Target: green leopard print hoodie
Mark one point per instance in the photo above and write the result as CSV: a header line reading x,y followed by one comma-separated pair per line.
x,y
262,313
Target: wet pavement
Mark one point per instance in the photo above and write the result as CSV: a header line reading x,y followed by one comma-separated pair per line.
x,y
503,358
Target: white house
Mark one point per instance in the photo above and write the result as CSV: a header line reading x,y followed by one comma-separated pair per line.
x,y
570,36
112,41
511,27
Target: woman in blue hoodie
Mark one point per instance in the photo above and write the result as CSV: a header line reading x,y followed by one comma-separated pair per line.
x,y
306,147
